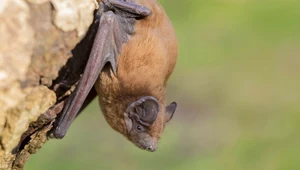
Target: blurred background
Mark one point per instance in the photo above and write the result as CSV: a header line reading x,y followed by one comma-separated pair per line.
x,y
238,88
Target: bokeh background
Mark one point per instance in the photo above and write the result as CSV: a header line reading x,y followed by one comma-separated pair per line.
x,y
237,84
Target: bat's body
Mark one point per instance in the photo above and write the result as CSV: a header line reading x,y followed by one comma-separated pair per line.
x,y
141,47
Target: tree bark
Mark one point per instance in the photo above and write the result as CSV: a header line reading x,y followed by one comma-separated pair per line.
x,y
44,49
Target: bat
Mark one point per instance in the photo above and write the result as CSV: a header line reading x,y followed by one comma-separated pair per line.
x,y
133,55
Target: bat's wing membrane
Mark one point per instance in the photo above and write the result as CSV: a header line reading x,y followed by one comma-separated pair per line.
x,y
114,30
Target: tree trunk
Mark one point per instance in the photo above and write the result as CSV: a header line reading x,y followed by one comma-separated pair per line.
x,y
44,49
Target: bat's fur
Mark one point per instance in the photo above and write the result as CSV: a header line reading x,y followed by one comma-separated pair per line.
x,y
144,65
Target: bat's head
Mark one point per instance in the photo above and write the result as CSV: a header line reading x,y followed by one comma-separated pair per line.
x,y
145,120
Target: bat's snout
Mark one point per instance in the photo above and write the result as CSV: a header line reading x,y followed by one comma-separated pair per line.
x,y
151,145
151,148
146,143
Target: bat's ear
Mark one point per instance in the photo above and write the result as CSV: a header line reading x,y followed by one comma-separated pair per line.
x,y
170,110
144,110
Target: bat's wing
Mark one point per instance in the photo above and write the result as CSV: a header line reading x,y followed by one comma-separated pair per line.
x,y
116,25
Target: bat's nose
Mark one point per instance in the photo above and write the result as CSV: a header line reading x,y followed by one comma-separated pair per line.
x,y
151,148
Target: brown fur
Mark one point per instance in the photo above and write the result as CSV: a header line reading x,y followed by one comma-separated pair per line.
x,y
144,65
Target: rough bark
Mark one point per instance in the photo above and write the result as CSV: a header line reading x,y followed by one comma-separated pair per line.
x,y
44,48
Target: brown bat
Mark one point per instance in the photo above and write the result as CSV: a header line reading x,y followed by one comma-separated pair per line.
x,y
134,52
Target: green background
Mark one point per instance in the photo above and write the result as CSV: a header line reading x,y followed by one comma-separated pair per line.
x,y
237,84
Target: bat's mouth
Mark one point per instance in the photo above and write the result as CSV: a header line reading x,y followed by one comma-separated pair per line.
x,y
147,147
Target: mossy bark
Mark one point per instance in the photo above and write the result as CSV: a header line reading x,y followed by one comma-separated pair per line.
x,y
43,51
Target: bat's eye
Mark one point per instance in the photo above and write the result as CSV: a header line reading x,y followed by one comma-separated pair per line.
x,y
139,128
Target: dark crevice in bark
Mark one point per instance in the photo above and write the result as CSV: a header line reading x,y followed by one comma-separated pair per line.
x,y
71,72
